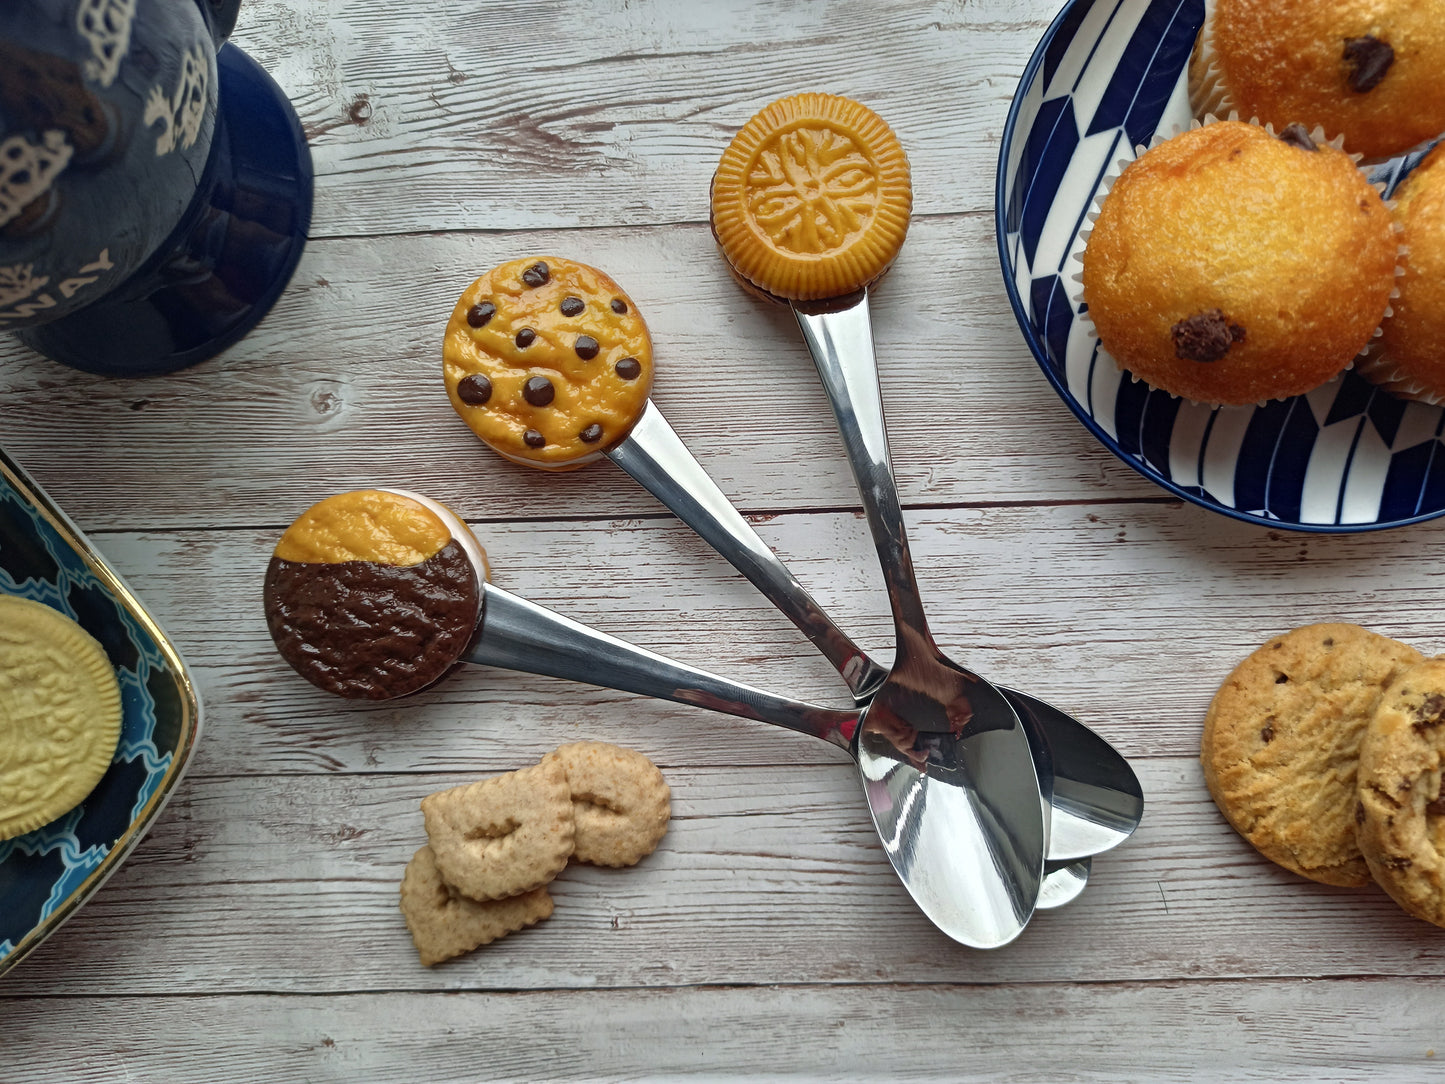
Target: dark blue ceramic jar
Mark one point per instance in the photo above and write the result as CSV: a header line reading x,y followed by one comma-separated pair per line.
x,y
154,195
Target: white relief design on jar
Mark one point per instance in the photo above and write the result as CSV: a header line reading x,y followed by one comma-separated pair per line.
x,y
19,283
27,170
105,25
180,115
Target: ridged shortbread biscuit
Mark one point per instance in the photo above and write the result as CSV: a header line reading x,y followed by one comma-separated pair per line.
x,y
620,802
444,923
504,835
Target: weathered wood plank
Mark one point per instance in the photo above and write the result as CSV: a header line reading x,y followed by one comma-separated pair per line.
x,y
516,116
341,387
1129,618
289,884
1349,1030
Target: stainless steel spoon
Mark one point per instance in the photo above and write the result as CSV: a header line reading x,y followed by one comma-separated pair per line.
x,y
950,774
1097,801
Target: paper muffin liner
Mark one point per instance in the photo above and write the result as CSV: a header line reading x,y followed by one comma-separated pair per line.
x,y
1372,346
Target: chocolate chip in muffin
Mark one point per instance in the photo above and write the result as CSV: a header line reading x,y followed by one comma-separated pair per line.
x,y
1205,336
1369,59
592,434
572,306
537,275
586,347
474,390
480,313
1297,135
629,368
526,337
619,306
538,391
534,439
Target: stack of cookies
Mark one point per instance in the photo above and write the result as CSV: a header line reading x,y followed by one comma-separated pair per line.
x,y
1324,748
494,846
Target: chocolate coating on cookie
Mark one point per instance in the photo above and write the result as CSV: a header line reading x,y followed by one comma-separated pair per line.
x,y
564,354
369,596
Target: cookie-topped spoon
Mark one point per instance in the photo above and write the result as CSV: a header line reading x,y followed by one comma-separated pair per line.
x,y
549,362
377,594
810,205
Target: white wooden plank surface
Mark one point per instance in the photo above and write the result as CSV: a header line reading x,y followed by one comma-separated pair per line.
x,y
341,386
254,934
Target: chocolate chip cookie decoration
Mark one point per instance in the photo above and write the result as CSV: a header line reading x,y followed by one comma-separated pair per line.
x,y
478,315
370,595
538,391
474,390
565,354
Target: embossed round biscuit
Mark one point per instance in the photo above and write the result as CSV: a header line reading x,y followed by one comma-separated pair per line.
x,y
505,835
548,361
371,595
1281,742
60,714
444,924
620,802
811,199
1401,816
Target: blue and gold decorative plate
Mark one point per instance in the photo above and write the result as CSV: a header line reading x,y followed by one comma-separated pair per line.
x,y
1347,456
45,875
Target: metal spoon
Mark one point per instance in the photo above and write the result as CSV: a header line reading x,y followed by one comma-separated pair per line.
x,y
515,634
951,778
1097,801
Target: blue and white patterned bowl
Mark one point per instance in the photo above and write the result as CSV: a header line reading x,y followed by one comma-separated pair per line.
x,y
45,875
1345,457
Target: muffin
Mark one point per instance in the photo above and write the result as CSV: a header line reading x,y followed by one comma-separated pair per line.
x,y
1228,265
811,199
1410,360
1367,70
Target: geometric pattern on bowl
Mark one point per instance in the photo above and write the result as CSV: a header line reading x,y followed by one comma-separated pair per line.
x,y
1347,456
45,875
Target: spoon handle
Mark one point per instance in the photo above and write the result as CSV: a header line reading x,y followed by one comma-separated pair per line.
x,y
841,343
654,455
515,634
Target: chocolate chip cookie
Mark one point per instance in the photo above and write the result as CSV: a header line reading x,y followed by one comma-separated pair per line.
x,y
1401,815
1281,743
548,361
